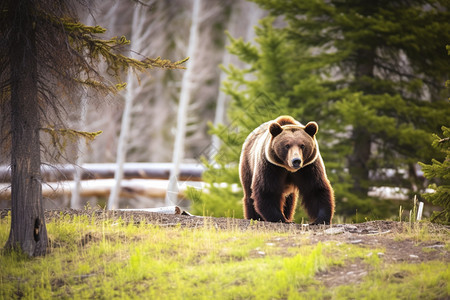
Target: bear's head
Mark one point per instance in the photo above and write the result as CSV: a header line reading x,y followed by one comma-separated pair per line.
x,y
292,146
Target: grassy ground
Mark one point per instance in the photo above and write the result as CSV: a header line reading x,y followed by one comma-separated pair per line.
x,y
106,259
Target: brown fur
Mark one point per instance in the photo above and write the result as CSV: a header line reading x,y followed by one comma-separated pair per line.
x,y
286,120
280,160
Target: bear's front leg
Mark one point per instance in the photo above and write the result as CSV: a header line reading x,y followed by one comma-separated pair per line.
x,y
249,209
323,217
317,194
268,206
319,205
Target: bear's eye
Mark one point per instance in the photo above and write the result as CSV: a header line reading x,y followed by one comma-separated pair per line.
x,y
302,146
287,146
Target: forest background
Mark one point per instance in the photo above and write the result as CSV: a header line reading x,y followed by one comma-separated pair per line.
x,y
372,76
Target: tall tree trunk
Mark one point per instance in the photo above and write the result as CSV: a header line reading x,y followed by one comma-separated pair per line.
x,y
358,167
185,96
75,200
358,160
28,231
139,34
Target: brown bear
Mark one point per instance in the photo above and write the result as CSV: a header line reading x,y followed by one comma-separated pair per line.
x,y
280,160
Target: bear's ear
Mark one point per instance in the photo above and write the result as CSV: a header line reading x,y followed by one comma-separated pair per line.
x,y
275,129
311,128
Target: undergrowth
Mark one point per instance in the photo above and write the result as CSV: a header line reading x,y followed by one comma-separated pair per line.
x,y
110,259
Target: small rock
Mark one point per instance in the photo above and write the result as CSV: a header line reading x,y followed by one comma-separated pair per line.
x,y
355,241
334,230
262,253
435,246
380,254
413,256
349,227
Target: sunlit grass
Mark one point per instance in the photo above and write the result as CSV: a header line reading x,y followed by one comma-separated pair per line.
x,y
109,259
402,281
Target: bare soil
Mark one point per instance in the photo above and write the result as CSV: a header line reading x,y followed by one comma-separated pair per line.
x,y
398,239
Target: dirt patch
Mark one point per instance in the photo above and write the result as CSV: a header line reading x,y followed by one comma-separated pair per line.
x,y
350,272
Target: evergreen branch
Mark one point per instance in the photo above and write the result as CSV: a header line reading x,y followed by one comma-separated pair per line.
x,y
164,63
77,26
447,139
98,85
60,136
83,39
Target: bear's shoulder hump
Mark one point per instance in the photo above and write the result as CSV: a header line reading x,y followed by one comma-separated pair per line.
x,y
286,120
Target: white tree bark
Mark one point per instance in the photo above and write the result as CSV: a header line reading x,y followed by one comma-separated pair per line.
x,y
236,25
185,94
138,36
81,149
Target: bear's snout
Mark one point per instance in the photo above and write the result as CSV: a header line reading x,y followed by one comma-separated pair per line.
x,y
296,163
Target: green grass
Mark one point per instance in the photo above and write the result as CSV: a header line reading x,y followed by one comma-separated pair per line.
x,y
402,281
114,259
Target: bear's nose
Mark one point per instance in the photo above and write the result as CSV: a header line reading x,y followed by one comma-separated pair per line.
x,y
296,162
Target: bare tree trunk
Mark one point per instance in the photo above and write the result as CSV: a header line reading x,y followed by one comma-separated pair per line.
x,y
122,146
358,160
235,27
138,35
28,231
81,148
185,94
219,117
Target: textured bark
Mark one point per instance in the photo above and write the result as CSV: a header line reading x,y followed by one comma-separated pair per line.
x,y
28,232
358,160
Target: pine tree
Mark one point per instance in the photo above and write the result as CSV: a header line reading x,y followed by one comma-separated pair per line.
x,y
47,59
440,171
371,74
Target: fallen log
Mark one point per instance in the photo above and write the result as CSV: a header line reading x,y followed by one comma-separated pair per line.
x,y
169,210
54,173
102,188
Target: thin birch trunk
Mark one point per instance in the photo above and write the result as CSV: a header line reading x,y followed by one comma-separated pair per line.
x,y
185,94
125,126
81,148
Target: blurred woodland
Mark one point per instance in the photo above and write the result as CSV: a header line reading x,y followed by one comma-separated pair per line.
x,y
163,28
